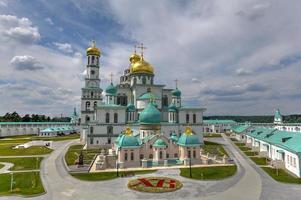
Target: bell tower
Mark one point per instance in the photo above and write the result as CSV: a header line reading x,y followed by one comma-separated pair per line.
x,y
91,93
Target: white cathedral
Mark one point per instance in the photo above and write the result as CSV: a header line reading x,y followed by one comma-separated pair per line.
x,y
136,102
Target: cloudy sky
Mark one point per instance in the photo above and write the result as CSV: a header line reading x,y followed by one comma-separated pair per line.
x,y
231,56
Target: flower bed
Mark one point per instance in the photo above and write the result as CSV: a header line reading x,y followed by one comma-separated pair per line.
x,y
154,184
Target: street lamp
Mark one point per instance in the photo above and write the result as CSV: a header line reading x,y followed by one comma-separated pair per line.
x,y
11,181
190,175
117,163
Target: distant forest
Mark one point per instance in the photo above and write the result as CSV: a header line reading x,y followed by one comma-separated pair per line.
x,y
258,119
15,117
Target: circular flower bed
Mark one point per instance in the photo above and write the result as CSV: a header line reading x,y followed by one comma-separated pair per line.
x,y
154,184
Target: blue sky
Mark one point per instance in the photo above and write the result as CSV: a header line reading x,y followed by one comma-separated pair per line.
x,y
231,56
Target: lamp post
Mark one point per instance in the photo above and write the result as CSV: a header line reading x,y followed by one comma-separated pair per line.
x,y
117,163
190,174
11,181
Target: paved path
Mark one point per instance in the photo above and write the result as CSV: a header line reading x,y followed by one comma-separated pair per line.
x,y
6,167
246,184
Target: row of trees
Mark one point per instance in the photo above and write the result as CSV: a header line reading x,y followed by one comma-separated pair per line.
x,y
258,119
15,117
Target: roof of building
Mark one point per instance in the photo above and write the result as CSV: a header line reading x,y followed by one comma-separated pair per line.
x,y
240,128
111,90
131,107
172,108
148,96
219,121
174,137
56,129
160,143
277,114
128,140
289,141
188,139
176,92
150,115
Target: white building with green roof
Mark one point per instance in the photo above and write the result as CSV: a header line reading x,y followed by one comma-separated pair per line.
x,y
137,101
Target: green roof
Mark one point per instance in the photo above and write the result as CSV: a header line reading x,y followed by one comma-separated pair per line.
x,y
159,143
240,128
277,114
111,90
174,137
150,115
147,96
189,140
172,108
131,107
283,139
128,141
176,92
217,121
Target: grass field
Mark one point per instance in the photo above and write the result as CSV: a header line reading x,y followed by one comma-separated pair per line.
x,y
1,166
243,148
28,183
23,163
209,173
239,144
102,176
250,153
214,148
259,160
74,151
283,176
7,150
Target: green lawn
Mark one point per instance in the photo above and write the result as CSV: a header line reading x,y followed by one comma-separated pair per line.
x,y
102,176
214,148
7,150
239,144
209,173
1,166
74,151
250,153
28,183
259,160
243,148
283,176
233,139
58,138
24,163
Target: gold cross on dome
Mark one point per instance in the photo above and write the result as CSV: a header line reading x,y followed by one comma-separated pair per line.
x,y
142,47
111,77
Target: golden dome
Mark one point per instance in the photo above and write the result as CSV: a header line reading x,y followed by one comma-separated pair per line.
x,y
134,58
142,66
93,50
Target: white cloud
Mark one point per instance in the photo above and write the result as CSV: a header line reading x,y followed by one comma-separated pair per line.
x,y
18,29
49,21
65,47
26,62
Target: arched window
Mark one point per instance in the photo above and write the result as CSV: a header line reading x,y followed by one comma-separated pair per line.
x,y
95,104
175,155
150,156
132,155
88,60
110,130
109,140
87,118
194,118
161,155
93,59
187,118
91,130
97,61
135,80
87,105
143,80
107,117
115,117
125,156
92,94
165,100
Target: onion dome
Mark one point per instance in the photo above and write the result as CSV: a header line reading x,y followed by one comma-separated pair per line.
x,y
130,107
188,139
176,92
160,143
127,140
111,90
148,96
142,66
93,50
172,108
174,137
134,58
150,115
